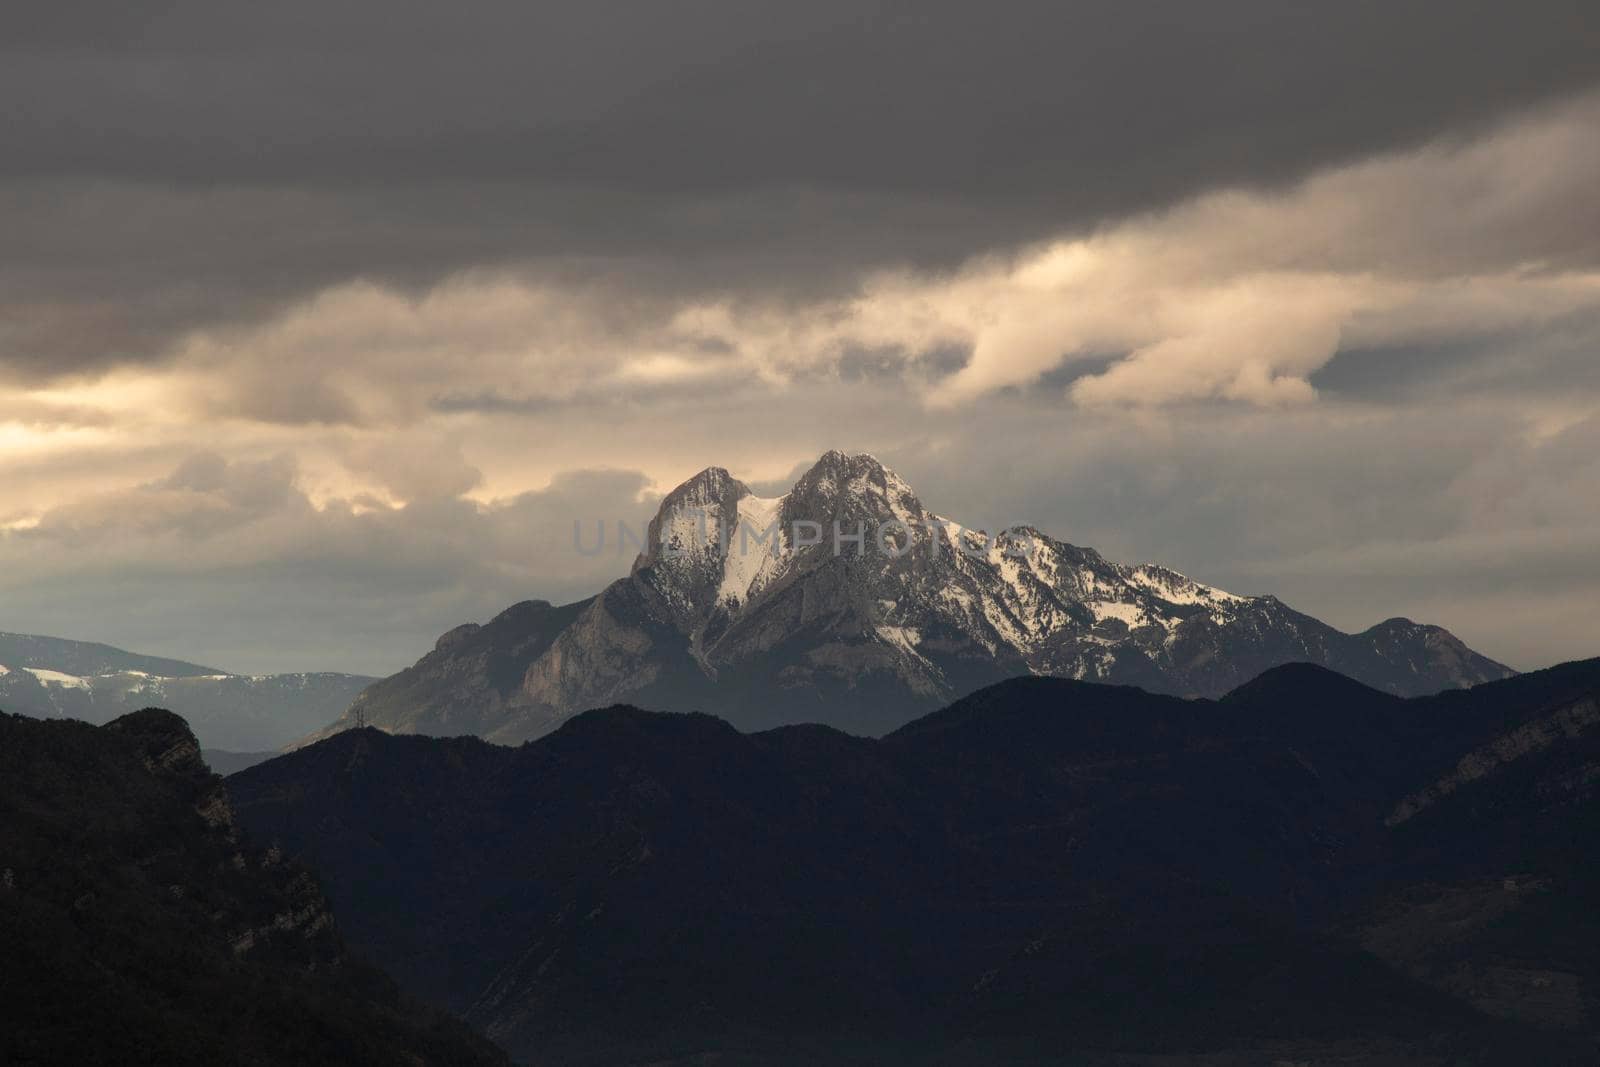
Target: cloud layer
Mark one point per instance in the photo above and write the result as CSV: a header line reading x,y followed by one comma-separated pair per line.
x,y
309,353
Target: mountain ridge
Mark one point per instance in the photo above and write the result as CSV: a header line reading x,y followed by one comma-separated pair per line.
x,y
55,678
847,601
89,657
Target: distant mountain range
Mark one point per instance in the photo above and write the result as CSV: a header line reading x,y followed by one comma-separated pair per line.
x,y
847,602
1048,871
50,677
141,927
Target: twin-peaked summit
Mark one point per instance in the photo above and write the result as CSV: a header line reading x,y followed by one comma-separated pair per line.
x,y
846,601
716,546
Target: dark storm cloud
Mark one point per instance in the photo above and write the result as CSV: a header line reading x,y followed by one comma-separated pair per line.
x,y
1090,102
180,164
94,273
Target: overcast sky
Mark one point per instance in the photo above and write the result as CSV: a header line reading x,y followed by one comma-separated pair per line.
x,y
320,323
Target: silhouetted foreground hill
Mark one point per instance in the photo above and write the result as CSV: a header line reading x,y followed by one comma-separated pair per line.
x,y
137,926
1307,869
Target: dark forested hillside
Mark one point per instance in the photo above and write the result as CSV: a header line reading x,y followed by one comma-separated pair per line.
x,y
1044,867
141,927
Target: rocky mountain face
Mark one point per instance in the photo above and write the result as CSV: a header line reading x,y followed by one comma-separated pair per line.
x,y
1047,871
847,602
53,678
142,927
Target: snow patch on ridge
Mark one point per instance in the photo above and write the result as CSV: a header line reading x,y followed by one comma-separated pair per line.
x,y
56,678
756,551
906,638
1176,588
686,530
1131,614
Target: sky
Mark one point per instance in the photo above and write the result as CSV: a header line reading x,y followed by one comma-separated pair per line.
x,y
321,323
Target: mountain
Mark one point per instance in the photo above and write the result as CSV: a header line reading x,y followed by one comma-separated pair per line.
x,y
88,658
470,682
847,602
53,678
141,927
1309,870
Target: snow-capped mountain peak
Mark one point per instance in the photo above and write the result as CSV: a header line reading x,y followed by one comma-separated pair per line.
x,y
903,575
846,600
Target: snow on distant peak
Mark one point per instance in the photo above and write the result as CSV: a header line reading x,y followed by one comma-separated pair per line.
x,y
717,546
1130,615
56,678
757,548
1176,588
859,474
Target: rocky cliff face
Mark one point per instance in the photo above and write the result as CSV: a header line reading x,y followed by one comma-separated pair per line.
x,y
847,601
469,683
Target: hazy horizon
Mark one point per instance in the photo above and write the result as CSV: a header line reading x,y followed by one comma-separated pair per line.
x,y
624,533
